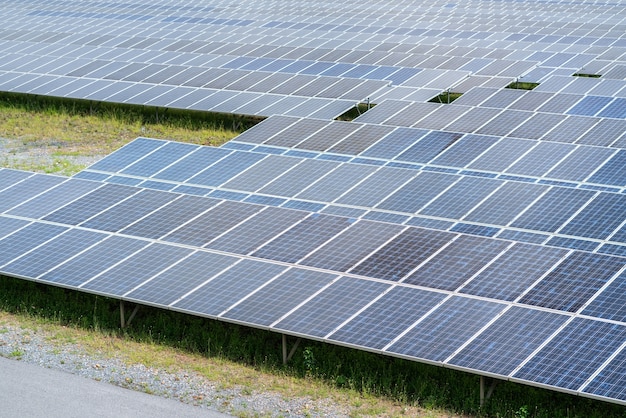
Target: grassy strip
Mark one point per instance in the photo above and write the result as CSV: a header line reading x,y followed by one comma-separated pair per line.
x,y
50,134
371,384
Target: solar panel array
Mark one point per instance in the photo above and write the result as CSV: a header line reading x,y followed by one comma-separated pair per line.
x,y
486,235
435,296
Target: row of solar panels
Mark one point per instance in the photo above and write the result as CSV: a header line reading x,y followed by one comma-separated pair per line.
x,y
478,205
491,156
176,97
501,122
478,334
540,100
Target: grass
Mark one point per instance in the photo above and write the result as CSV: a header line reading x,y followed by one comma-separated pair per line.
x,y
522,85
50,135
369,384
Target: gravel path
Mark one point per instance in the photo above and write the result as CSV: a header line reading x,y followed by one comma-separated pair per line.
x,y
189,387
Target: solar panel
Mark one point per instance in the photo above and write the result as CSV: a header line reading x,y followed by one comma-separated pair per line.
x,y
377,233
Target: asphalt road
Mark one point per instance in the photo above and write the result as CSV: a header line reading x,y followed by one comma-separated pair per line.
x,y
28,390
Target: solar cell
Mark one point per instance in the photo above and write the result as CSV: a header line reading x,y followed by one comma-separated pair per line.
x,y
376,187
573,281
157,160
298,241
599,218
226,168
553,209
291,288
127,155
170,217
26,189
461,198
507,342
334,305
394,143
212,223
174,283
465,256
613,172
10,225
610,382
136,269
387,318
192,164
93,261
402,254
52,253
506,203
442,332
572,356
222,290
294,181
429,147
25,239
343,252
418,192
91,204
506,277
336,183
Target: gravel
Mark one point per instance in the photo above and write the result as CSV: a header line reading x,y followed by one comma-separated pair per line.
x,y
189,387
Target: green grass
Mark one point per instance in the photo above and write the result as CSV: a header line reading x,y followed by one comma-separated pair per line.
x,y
39,127
519,85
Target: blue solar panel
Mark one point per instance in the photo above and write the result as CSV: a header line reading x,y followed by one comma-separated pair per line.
x,y
611,302
571,357
127,155
589,105
613,172
26,239
53,253
159,159
303,238
291,288
599,218
26,189
445,330
94,261
402,254
334,305
429,147
192,164
512,273
461,198
388,317
457,263
553,209
418,192
137,269
611,381
509,340
174,283
573,282
226,168
226,288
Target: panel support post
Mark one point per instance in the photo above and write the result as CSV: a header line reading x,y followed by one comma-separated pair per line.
x,y
287,357
123,321
485,396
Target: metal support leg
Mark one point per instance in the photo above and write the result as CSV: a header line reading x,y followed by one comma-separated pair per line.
x,y
123,321
287,357
485,396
